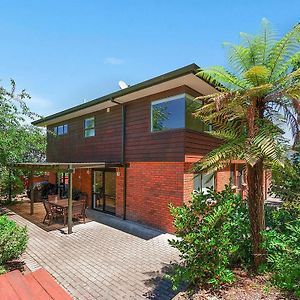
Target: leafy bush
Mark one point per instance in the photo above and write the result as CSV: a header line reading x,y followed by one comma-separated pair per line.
x,y
285,180
5,182
13,240
282,242
213,234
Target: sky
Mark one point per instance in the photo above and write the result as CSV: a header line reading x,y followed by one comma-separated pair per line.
x,y
66,52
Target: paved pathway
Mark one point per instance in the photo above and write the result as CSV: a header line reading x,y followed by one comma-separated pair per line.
x,y
100,262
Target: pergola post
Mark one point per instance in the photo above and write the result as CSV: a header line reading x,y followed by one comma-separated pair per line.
x,y
31,193
70,200
9,186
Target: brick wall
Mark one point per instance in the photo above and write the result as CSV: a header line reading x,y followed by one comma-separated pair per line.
x,y
222,178
52,177
82,181
119,192
151,186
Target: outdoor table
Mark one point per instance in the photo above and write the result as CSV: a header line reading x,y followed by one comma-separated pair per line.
x,y
63,205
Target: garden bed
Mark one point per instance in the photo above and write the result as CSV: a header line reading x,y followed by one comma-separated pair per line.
x,y
244,288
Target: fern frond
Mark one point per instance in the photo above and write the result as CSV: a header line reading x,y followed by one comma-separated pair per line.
x,y
216,159
283,50
225,78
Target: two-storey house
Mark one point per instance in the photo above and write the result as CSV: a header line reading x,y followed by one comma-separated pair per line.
x,y
148,138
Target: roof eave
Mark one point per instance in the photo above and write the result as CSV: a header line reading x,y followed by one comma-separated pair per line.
x,y
192,68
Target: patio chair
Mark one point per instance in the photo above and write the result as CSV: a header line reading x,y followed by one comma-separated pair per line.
x,y
56,198
79,210
50,212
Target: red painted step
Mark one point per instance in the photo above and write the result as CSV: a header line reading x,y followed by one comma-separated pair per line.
x,y
6,290
55,291
19,284
38,285
37,290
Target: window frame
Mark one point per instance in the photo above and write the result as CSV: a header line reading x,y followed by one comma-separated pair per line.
x,y
201,181
173,98
85,129
65,129
167,99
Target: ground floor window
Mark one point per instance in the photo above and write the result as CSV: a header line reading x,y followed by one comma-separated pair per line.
x,y
237,175
203,182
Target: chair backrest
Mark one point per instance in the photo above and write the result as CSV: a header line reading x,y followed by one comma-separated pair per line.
x,y
83,206
77,208
47,206
53,197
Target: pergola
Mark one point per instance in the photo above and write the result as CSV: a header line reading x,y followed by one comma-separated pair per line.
x,y
60,167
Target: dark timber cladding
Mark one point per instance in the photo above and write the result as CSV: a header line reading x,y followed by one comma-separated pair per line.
x,y
144,145
106,145
141,143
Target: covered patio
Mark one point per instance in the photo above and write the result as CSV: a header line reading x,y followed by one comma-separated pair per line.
x,y
66,206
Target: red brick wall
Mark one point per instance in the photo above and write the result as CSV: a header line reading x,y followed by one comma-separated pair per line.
x,y
52,177
222,178
119,191
82,181
151,186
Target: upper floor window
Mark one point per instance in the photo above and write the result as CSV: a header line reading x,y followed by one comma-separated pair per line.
x,y
175,112
89,127
61,129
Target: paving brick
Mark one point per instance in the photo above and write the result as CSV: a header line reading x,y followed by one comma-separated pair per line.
x,y
101,262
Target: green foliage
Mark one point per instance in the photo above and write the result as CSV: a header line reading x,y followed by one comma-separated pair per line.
x,y
13,241
212,235
286,181
19,141
258,94
282,242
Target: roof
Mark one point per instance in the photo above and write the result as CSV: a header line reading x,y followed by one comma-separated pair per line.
x,y
189,69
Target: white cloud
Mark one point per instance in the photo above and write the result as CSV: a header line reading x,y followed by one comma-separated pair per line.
x,y
113,61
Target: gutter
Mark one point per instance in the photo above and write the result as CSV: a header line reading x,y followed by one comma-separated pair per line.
x,y
123,162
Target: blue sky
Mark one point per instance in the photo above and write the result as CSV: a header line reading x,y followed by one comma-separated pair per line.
x,y
64,52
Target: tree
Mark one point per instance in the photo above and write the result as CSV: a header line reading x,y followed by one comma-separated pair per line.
x,y
285,181
19,141
259,88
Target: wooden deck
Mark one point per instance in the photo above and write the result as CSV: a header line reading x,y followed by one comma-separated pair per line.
x,y
38,285
23,210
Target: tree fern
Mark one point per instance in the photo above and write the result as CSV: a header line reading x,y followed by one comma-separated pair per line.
x,y
261,89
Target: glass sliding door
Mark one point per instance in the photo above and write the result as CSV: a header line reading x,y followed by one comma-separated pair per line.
x,y
98,190
104,190
110,192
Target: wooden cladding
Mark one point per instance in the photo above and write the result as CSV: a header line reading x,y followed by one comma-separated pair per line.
x,y
142,145
75,147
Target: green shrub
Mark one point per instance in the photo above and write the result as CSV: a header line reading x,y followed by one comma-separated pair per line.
x,y
285,180
14,182
13,240
282,242
213,234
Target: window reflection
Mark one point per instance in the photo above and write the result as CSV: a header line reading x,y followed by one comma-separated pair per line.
x,y
176,112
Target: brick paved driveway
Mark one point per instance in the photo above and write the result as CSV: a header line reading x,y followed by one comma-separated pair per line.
x,y
101,262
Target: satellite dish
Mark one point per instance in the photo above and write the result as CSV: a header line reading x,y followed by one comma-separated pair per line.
x,y
123,85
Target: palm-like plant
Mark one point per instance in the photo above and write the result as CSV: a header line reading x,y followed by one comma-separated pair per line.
x,y
262,86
